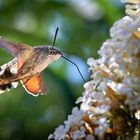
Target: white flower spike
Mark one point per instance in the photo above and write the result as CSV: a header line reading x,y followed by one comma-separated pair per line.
x,y
110,105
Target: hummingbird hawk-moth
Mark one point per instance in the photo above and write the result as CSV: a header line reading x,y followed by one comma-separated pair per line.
x,y
27,65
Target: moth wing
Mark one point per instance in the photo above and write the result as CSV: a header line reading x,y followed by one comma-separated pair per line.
x,y
14,48
34,85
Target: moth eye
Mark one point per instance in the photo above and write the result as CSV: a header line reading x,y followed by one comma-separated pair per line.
x,y
52,52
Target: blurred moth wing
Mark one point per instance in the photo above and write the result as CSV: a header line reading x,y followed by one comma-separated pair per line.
x,y
21,51
14,48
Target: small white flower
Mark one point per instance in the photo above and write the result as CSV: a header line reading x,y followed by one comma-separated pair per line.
x,y
121,88
137,115
91,62
90,137
59,132
86,104
79,134
102,109
74,118
79,100
98,96
103,125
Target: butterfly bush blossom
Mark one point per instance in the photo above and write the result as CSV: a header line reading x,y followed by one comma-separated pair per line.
x,y
110,105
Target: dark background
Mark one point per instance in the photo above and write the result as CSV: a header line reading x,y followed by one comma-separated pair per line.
x,y
83,27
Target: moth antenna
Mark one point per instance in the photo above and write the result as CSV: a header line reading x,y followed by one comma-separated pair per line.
x,y
55,36
75,66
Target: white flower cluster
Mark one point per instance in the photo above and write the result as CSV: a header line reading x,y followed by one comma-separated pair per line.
x,y
114,86
77,131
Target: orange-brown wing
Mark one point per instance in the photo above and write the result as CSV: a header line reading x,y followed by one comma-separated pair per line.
x,y
34,85
13,48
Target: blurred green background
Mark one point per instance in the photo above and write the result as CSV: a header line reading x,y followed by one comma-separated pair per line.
x,y
83,27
